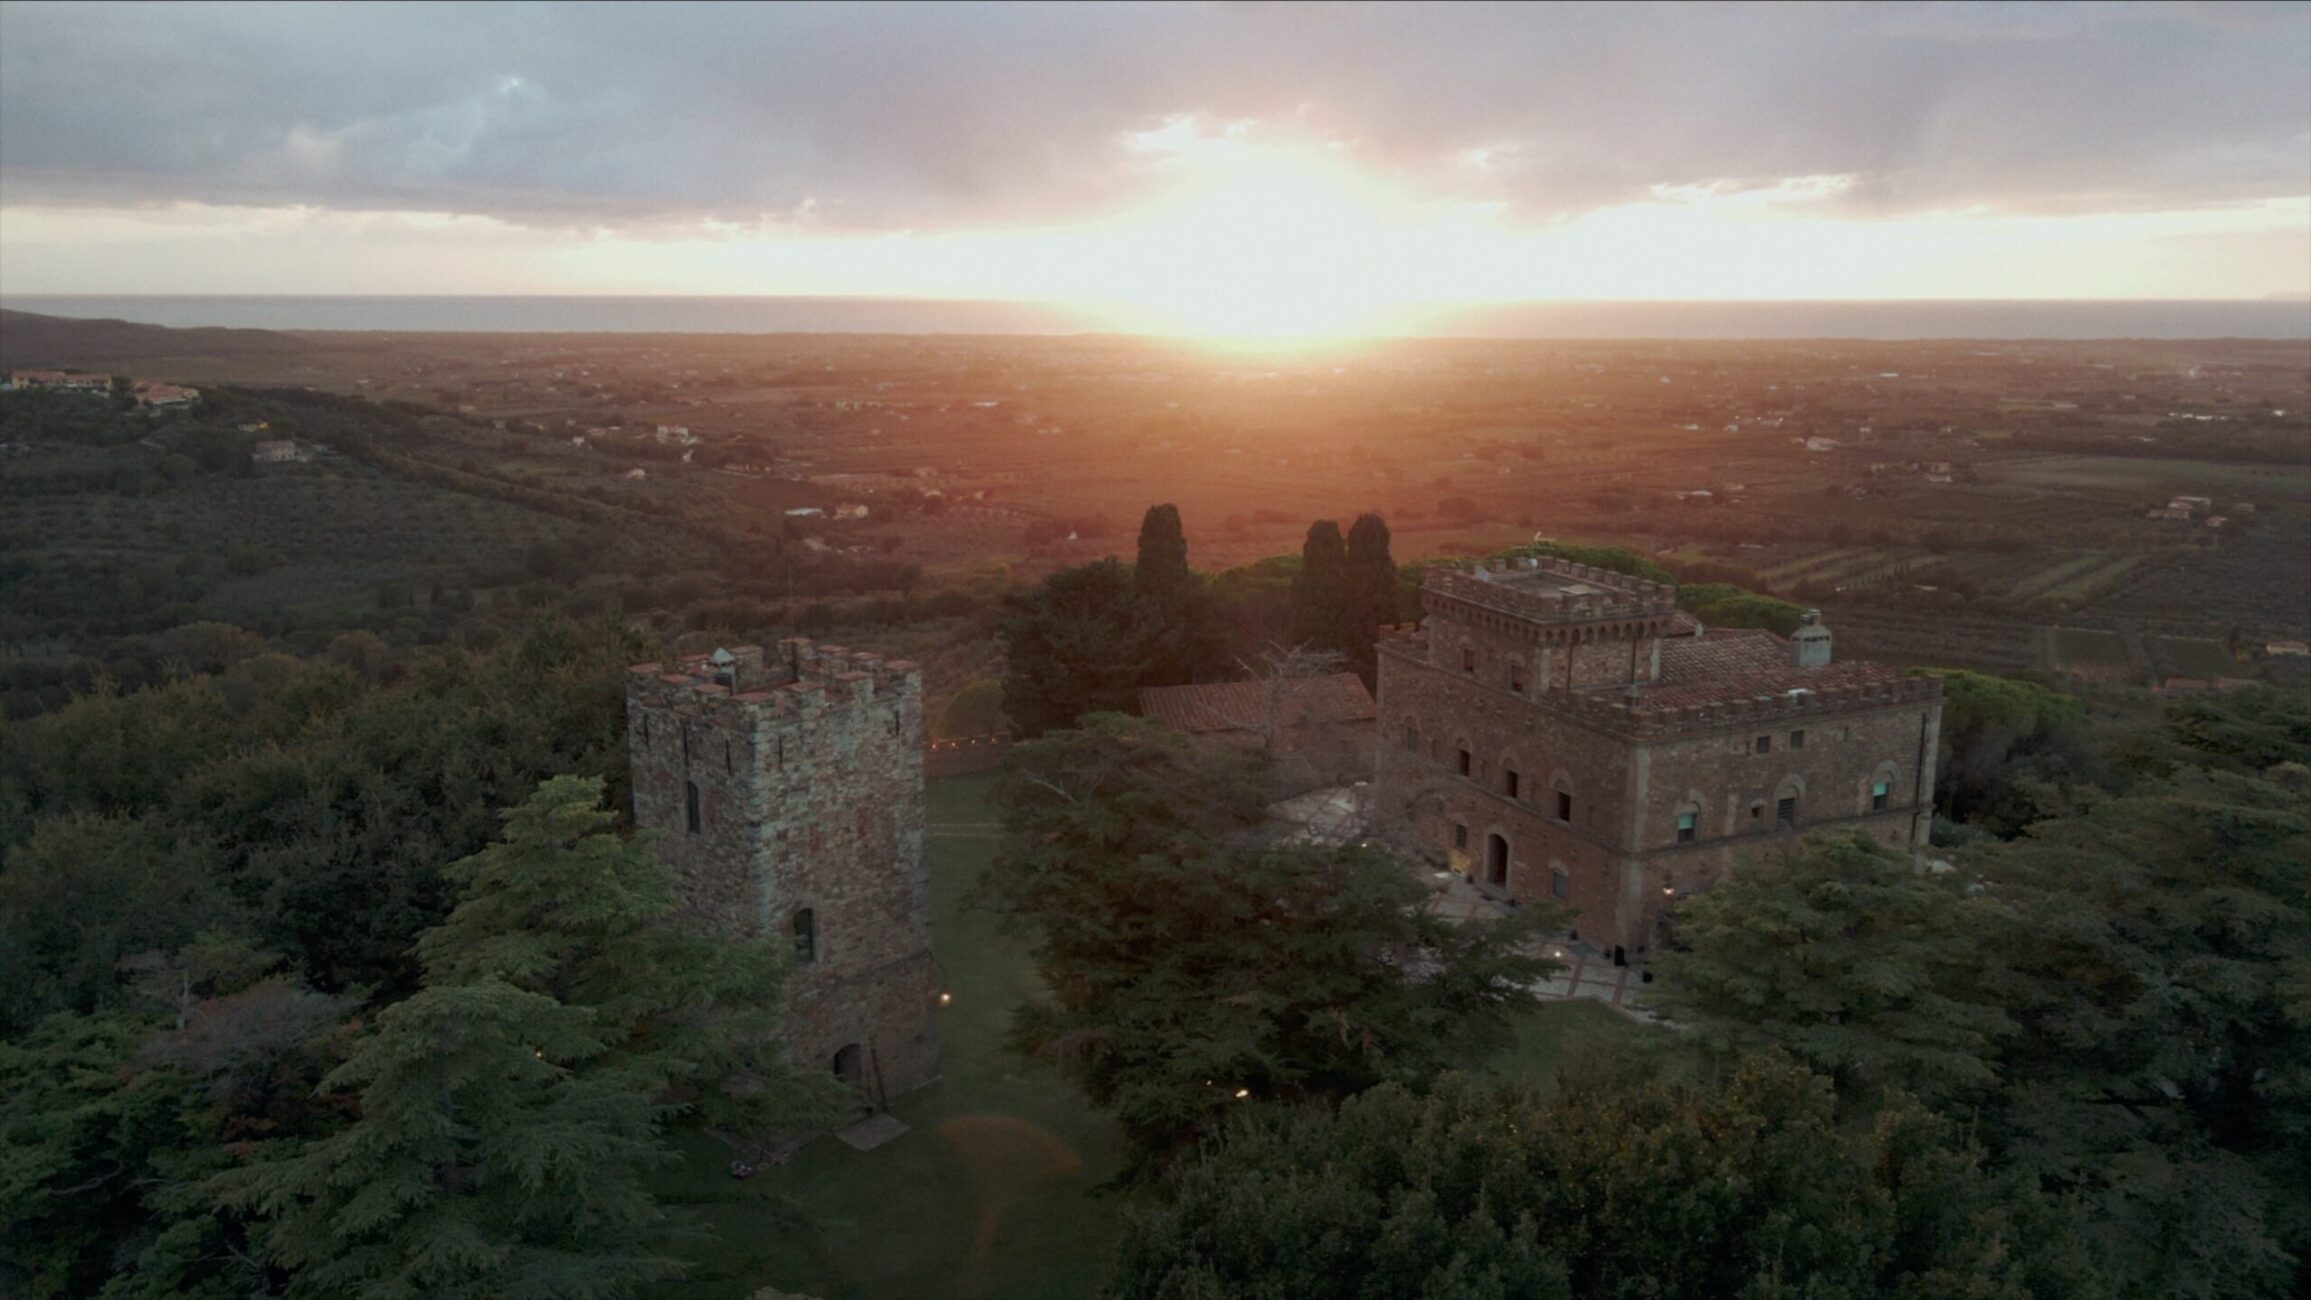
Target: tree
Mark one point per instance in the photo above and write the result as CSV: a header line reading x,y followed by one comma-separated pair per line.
x,y
562,907
1072,646
489,1160
1161,575
1847,957
1612,1187
976,710
1177,619
1193,962
1368,595
2157,968
511,1110
1319,594
2003,740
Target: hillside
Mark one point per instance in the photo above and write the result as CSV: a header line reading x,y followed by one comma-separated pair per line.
x,y
29,340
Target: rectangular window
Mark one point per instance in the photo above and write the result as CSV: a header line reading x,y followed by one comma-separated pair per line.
x,y
690,805
1765,744
1509,782
1797,740
1459,835
1686,827
1564,806
1467,659
1879,791
805,936
1560,884
1785,812
1412,739
1517,678
1466,763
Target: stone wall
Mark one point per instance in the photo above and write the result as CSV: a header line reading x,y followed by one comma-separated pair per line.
x,y
805,771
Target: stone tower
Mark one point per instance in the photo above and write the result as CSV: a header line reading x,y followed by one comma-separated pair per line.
x,y
786,792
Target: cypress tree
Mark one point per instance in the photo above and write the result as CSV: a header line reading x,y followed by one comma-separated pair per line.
x,y
1369,589
1161,573
1318,606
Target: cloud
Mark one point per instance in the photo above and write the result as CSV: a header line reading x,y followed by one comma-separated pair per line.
x,y
928,117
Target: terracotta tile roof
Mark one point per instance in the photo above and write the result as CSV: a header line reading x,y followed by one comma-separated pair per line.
x,y
1243,706
1741,663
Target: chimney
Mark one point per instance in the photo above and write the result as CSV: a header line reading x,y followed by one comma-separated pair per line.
x,y
1812,641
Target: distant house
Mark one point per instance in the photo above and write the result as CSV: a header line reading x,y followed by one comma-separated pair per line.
x,y
280,451
62,380
2190,505
153,393
1325,730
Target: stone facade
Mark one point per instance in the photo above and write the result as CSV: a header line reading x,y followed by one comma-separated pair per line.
x,y
787,794
1555,731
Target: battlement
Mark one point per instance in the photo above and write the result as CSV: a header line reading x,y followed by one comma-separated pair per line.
x,y
1637,715
1549,592
798,679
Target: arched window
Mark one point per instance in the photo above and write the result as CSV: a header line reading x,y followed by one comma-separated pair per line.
x,y
1517,676
1512,780
1562,785
805,937
1560,881
1689,821
1496,860
690,805
1785,801
1881,787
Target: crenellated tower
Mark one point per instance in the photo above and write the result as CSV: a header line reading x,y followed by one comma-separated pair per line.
x,y
786,792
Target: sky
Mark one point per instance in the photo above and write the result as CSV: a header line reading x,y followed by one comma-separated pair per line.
x,y
1263,168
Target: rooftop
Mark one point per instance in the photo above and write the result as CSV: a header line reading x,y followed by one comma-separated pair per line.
x,y
1724,665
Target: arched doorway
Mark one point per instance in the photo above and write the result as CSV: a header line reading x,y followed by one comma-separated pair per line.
x,y
850,1065
1496,861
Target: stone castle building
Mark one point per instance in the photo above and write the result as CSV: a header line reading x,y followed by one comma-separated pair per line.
x,y
786,792
1556,731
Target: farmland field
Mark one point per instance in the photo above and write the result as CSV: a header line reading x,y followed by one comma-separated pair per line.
x,y
2146,475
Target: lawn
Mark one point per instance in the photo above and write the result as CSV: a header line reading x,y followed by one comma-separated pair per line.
x,y
995,1192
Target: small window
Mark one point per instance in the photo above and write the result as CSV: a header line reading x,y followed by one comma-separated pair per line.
x,y
1764,744
1879,792
1467,762
1688,825
1468,659
1509,782
1560,883
1412,739
1785,812
1516,677
1757,811
1797,740
805,937
1459,835
690,805
1564,805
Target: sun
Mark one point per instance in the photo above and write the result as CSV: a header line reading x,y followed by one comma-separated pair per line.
x,y
1262,246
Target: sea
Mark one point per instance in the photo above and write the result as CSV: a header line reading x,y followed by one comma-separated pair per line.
x,y
1913,319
